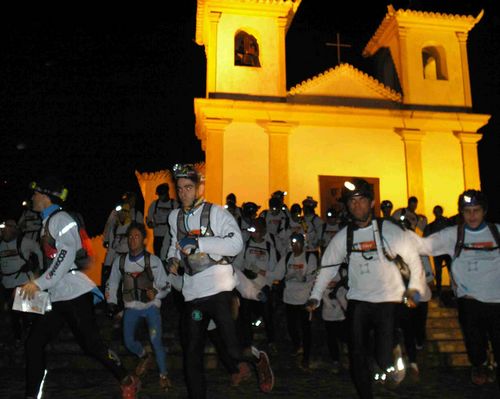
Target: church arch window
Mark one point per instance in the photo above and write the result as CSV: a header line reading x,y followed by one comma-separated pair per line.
x,y
434,63
246,50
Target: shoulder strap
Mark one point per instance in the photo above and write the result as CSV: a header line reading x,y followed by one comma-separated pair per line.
x,y
181,229
19,241
288,256
460,240
147,265
247,244
205,219
349,241
122,263
156,206
308,255
494,232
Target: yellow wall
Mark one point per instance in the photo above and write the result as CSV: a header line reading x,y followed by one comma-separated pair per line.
x,y
429,91
442,171
246,151
346,151
232,78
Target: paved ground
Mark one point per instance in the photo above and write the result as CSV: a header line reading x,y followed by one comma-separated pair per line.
x,y
72,375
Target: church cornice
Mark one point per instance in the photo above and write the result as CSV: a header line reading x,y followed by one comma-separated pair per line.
x,y
401,19
276,8
347,70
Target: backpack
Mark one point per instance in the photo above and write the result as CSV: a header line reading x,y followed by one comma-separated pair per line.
x,y
397,260
461,236
84,255
30,264
135,289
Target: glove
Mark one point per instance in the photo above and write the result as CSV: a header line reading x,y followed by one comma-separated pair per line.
x,y
188,245
311,304
263,294
111,310
250,274
411,298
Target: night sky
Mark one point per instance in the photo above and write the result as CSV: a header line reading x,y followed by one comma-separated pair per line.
x,y
96,95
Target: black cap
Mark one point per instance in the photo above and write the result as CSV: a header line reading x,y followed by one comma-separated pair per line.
x,y
357,188
51,186
472,198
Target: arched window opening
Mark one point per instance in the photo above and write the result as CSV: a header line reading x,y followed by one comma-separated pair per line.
x,y
246,50
434,63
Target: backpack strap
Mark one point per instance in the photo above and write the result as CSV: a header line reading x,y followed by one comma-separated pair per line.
x,y
122,263
147,265
494,232
205,220
460,240
19,241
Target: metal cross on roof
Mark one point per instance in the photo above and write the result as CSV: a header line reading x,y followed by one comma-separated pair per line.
x,y
338,44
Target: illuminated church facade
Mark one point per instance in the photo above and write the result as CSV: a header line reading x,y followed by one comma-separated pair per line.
x,y
409,133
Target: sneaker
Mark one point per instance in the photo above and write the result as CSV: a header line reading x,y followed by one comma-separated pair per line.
x,y
243,374
165,383
479,375
144,365
265,373
414,372
394,377
130,386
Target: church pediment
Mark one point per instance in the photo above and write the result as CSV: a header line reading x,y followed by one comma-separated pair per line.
x,y
345,81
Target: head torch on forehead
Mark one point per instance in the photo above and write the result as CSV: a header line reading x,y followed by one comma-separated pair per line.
x,y
184,170
62,194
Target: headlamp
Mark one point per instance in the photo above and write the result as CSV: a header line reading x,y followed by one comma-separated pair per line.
x,y
467,199
251,229
349,186
118,208
184,171
61,195
2,225
25,203
329,214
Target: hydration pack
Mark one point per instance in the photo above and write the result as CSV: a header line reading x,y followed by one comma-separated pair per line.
x,y
82,257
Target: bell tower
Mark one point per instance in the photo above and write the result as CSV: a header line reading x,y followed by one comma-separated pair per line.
x,y
429,53
245,45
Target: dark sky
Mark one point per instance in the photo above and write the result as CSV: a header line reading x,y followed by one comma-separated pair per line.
x,y
96,95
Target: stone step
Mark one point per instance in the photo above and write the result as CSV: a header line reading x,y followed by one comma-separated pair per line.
x,y
437,359
455,346
440,312
446,334
443,322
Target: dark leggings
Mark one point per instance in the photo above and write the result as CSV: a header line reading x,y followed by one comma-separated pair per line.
x,y
480,321
335,334
196,316
78,313
364,317
299,328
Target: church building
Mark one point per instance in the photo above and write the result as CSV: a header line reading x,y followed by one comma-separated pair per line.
x,y
409,132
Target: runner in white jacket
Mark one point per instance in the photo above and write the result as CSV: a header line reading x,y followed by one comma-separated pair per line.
x,y
375,283
473,245
205,238
71,292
